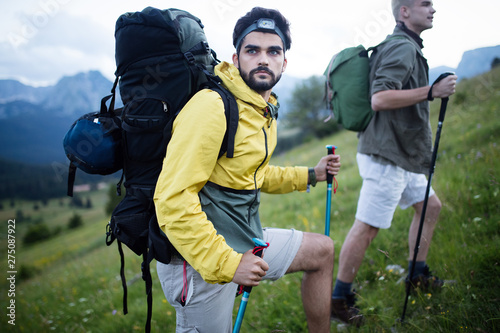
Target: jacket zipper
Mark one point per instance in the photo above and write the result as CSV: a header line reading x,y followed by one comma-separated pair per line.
x,y
255,176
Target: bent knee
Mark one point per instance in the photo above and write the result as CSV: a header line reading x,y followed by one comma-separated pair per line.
x,y
322,246
363,231
434,204
327,247
315,253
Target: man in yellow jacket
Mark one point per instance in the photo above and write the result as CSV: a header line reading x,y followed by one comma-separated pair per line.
x,y
209,206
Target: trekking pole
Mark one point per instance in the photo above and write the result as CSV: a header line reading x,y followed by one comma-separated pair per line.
x,y
259,246
442,111
329,180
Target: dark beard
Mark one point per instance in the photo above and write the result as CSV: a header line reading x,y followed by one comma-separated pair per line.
x,y
259,87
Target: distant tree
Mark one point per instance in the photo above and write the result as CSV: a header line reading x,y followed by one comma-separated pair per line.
x,y
495,62
57,230
76,202
27,272
36,232
75,221
89,203
20,217
308,110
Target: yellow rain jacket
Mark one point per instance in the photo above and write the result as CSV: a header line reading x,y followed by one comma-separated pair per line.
x,y
208,206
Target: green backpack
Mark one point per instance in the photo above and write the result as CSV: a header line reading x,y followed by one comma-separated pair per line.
x,y
348,87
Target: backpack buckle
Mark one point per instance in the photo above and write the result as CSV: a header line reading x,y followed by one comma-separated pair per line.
x,y
189,57
110,237
206,46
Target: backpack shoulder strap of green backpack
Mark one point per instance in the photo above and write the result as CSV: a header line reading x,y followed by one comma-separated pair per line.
x,y
389,38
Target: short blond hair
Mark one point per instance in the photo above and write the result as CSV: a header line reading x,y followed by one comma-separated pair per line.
x,y
397,4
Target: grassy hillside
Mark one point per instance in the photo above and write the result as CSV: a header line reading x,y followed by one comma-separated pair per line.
x,y
75,285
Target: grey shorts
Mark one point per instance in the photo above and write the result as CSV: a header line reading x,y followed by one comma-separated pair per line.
x,y
385,186
209,307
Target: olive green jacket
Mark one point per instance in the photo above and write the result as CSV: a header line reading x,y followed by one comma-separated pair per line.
x,y
403,136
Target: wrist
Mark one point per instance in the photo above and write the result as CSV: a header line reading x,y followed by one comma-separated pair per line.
x,y
312,180
429,94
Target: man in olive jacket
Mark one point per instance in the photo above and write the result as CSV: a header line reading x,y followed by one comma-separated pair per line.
x,y
209,206
394,152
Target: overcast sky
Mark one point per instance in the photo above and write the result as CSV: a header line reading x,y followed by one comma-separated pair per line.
x,y
43,40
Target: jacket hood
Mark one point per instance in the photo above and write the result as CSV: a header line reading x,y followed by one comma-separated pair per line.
x,y
232,80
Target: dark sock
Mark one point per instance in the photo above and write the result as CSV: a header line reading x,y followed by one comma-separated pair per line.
x,y
419,267
341,290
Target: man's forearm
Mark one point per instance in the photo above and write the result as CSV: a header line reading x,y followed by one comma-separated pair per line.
x,y
397,99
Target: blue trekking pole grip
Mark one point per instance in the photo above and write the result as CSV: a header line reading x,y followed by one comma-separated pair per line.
x,y
329,180
259,246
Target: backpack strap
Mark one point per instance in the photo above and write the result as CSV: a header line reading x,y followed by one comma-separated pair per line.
x,y
328,91
146,276
389,38
122,275
71,178
232,115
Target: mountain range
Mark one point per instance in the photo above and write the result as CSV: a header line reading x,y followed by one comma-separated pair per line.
x,y
34,120
473,62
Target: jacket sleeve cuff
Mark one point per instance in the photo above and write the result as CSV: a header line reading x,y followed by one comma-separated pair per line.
x,y
303,178
227,270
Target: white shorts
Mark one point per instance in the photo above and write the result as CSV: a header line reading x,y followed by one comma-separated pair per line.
x,y
209,307
385,186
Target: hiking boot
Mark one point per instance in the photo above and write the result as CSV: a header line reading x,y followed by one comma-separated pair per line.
x,y
425,281
345,311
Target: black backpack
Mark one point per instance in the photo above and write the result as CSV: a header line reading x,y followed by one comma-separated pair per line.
x,y
162,59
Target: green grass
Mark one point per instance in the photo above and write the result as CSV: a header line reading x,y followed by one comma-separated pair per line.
x,y
76,285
